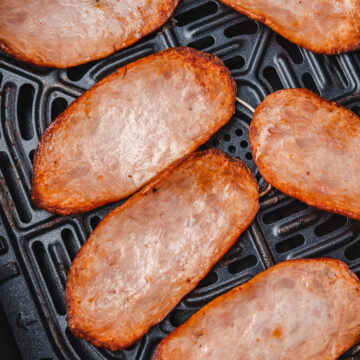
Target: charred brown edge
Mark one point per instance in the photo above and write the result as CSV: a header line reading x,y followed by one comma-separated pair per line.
x,y
236,166
269,179
164,15
192,56
351,46
352,280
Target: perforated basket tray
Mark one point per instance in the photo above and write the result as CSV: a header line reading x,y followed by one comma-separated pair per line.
x,y
36,248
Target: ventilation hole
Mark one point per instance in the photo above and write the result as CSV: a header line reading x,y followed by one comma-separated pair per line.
x,y
215,142
239,132
94,221
291,49
57,107
132,347
3,246
14,188
249,156
231,149
82,348
202,43
336,69
242,264
70,243
271,75
24,111
31,155
284,212
244,144
243,28
227,137
356,110
52,284
60,262
353,252
210,279
234,253
111,66
236,62
151,348
76,73
289,244
178,317
335,222
309,83
197,13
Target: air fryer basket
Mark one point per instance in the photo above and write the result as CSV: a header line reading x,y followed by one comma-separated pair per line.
x,y
36,247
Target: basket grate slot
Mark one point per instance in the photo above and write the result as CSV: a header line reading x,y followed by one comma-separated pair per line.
x,y
57,107
178,317
353,251
16,192
60,262
356,110
210,279
242,264
94,221
83,349
24,111
70,243
271,75
197,13
234,253
202,43
335,222
290,243
235,63
247,27
336,70
310,83
51,282
291,49
76,73
284,212
31,155
108,66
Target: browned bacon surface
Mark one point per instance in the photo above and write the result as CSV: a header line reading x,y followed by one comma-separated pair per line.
x,y
301,309
309,149
151,251
322,26
130,126
71,32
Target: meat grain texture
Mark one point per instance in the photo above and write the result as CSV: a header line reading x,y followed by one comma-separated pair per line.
x,y
309,149
322,26
155,248
71,32
301,309
129,127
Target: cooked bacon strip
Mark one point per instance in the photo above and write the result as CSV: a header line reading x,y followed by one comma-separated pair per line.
x,y
309,149
71,32
155,248
300,309
322,26
130,126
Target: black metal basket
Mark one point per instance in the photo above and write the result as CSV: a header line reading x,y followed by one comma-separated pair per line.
x,y
36,248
